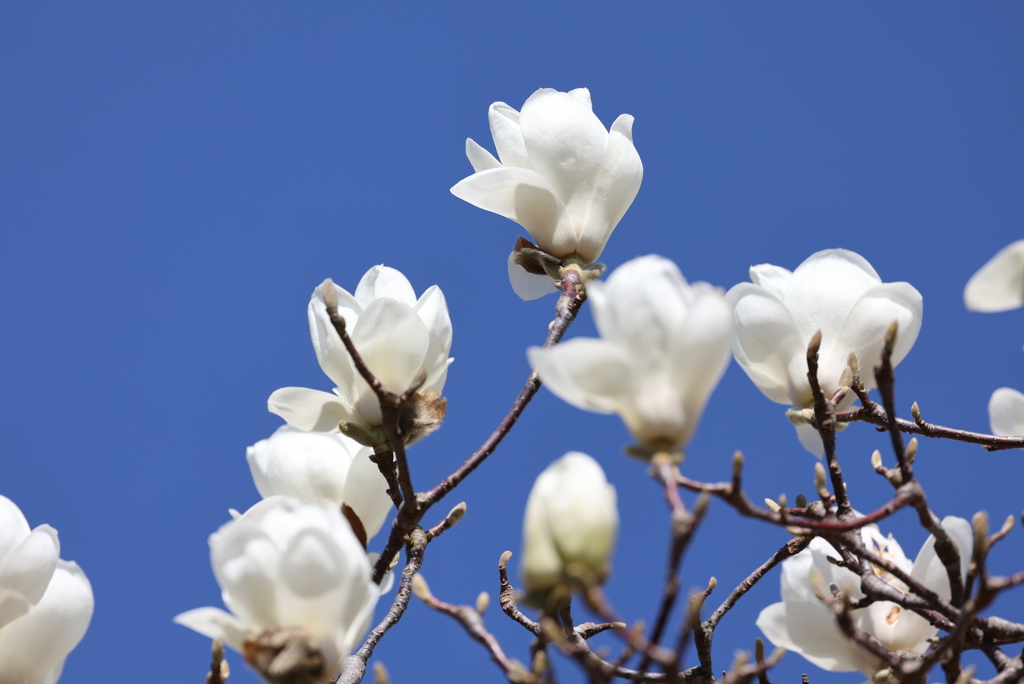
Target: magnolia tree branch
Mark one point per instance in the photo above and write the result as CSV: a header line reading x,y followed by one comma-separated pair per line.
x,y
825,421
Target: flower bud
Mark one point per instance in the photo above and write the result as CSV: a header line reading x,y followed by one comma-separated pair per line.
x,y
569,528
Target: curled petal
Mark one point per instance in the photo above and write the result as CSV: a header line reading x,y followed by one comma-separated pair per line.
x,y
810,629
309,409
766,343
215,624
508,138
481,159
774,279
589,374
527,198
384,281
1006,412
13,526
330,351
528,286
432,308
999,284
26,572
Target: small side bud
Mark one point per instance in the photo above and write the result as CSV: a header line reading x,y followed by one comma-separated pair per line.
x,y
979,524
876,459
846,379
758,650
814,345
783,500
854,366
1007,526
737,465
505,558
911,451
819,480
915,411
380,673
801,501
330,294
966,675
890,337
540,663
421,589
482,601
772,506
455,515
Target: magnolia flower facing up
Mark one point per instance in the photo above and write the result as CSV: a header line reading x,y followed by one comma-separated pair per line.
x,y
299,586
329,470
561,176
46,603
835,291
664,346
999,284
803,624
397,335
570,526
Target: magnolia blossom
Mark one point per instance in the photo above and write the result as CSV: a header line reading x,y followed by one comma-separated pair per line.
x,y
835,291
570,525
803,624
286,568
999,284
664,346
329,470
1006,412
561,176
396,334
46,603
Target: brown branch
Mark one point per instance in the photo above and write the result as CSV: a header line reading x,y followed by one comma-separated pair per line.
x,y
354,666
825,421
875,415
507,597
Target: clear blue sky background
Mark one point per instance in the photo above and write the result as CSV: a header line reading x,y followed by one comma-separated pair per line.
x,y
174,181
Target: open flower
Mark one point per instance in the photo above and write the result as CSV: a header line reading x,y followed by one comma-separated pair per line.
x,y
803,624
298,583
396,334
46,603
570,526
835,291
561,176
999,284
329,470
664,346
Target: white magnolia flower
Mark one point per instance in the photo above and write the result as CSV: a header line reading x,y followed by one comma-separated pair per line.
x,y
803,624
395,333
570,524
1006,412
999,284
664,346
835,291
329,470
286,566
46,603
561,176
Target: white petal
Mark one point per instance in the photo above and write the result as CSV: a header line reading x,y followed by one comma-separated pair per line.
x,y
433,311
309,466
810,630
590,374
215,624
33,648
824,289
393,343
528,286
309,409
481,159
508,139
863,333
775,279
26,572
384,281
245,562
767,344
1006,412
999,284
330,351
810,439
366,493
615,187
583,95
13,526
527,198
566,144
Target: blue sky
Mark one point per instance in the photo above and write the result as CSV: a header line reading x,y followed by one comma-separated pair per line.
x,y
175,180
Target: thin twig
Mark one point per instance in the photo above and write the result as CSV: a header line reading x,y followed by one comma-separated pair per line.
x,y
825,421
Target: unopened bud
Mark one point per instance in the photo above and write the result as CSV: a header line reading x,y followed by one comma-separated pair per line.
x,y
801,501
979,523
882,676
819,480
330,294
846,379
1007,526
758,650
421,588
814,345
890,336
455,515
876,459
737,465
966,675
783,500
482,601
853,365
540,663
915,411
911,451
380,673
772,506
